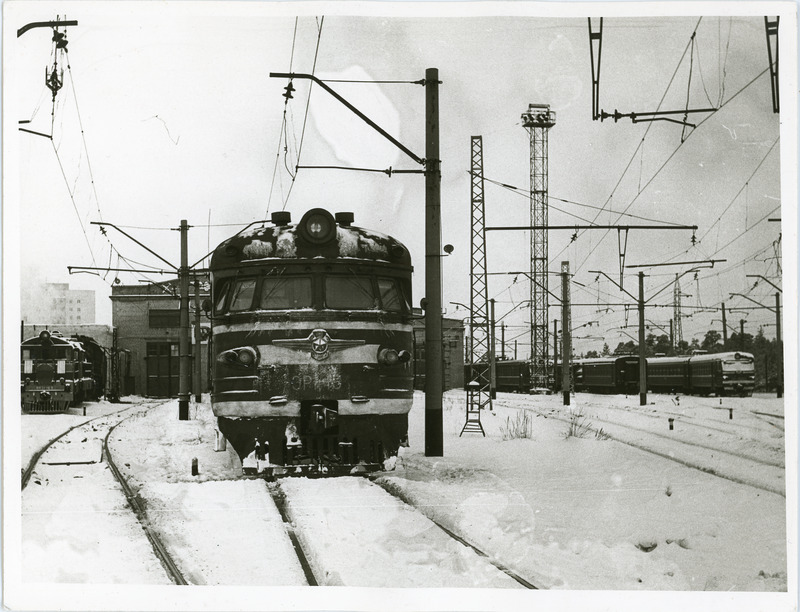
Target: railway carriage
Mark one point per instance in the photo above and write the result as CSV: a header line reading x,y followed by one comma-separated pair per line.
x,y
56,373
312,335
668,374
607,375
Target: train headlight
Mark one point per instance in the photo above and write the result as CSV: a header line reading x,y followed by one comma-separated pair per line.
x,y
245,356
390,356
317,226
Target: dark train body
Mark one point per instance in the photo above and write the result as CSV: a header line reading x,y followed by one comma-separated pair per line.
x,y
731,373
60,372
513,376
312,339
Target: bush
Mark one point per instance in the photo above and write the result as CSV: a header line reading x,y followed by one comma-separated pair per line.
x,y
579,426
520,427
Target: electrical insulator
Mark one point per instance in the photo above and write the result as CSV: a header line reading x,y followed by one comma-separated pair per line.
x,y
289,89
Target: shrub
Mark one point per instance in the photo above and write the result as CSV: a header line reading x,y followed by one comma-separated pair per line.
x,y
579,426
520,427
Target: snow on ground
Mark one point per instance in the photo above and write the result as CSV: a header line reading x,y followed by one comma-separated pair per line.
x,y
356,534
223,533
77,527
592,513
38,429
564,512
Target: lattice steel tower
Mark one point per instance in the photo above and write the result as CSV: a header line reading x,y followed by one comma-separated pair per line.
x,y
677,314
538,119
479,332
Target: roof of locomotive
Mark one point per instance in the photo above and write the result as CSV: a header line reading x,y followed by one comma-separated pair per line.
x,y
51,339
603,360
284,241
727,355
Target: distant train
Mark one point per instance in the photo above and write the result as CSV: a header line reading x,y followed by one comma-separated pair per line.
x,y
313,342
60,372
731,373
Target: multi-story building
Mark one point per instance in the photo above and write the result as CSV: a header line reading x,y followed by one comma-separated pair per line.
x,y
57,304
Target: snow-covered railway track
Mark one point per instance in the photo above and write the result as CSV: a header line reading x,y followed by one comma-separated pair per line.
x,y
732,428
28,470
75,523
160,551
354,532
736,467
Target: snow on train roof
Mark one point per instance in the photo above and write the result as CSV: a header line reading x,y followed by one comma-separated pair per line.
x,y
287,242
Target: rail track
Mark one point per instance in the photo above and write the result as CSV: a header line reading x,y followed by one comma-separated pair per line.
x,y
28,470
135,502
283,501
728,474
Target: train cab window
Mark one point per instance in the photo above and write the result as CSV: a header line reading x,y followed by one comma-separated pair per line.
x,y
242,296
222,293
285,293
391,297
349,292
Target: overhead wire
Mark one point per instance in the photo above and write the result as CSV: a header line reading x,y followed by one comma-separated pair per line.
x,y
308,106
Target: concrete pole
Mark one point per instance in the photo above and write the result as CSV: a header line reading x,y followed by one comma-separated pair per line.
x,y
779,381
724,326
741,334
555,354
492,352
642,360
183,343
565,333
198,352
433,270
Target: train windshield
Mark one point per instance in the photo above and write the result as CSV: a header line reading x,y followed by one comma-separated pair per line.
x,y
286,293
738,365
349,292
242,297
391,297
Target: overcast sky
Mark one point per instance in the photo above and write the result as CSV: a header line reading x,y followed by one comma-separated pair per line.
x,y
174,104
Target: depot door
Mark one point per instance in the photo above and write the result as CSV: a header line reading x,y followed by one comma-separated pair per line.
x,y
162,369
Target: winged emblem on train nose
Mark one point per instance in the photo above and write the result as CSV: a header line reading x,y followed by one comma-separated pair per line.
x,y
319,342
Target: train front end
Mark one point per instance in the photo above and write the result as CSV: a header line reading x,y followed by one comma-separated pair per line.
x,y
313,342
51,377
738,373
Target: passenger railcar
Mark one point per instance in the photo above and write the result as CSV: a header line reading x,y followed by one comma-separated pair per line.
x,y
311,329
512,376
668,374
607,375
56,373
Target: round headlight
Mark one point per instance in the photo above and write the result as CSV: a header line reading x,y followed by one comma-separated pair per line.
x,y
388,356
317,226
246,356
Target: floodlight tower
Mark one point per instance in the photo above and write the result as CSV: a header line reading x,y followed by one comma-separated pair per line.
x,y
538,119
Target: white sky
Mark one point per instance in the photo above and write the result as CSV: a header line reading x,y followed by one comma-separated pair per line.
x,y
181,121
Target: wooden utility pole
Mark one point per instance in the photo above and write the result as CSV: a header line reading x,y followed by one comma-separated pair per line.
x,y
183,341
434,443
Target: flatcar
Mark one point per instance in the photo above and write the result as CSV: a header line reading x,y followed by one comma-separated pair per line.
x,y
311,328
607,375
56,373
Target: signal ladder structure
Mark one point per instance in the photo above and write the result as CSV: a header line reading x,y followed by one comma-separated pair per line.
x,y
479,386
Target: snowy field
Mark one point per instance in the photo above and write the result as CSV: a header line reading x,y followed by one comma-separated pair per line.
x,y
566,512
